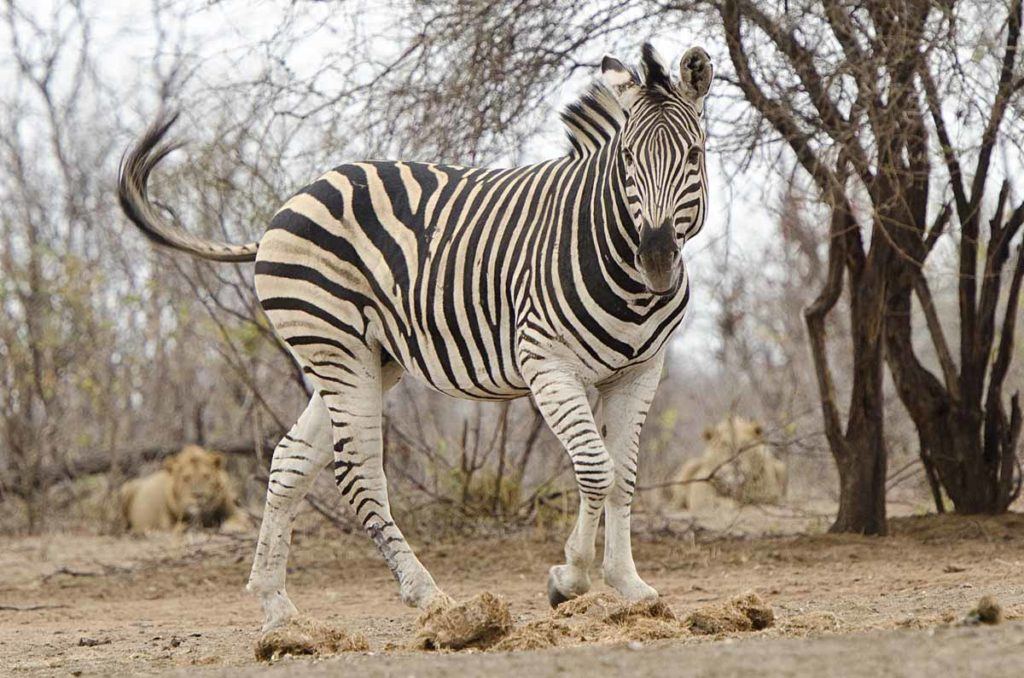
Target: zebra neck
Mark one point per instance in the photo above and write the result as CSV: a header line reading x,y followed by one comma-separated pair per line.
x,y
613,231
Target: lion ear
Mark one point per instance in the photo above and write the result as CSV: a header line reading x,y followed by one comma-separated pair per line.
x,y
709,433
170,462
758,430
218,459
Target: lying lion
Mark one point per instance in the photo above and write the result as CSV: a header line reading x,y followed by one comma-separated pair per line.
x,y
740,467
191,490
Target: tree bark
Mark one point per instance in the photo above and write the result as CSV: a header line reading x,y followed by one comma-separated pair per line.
x,y
863,459
859,452
862,485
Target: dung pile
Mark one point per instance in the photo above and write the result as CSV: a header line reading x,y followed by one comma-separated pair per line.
x,y
605,618
305,636
537,635
643,620
484,622
747,612
480,622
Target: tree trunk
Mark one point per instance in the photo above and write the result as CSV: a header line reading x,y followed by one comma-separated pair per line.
x,y
954,426
860,453
862,458
974,480
861,489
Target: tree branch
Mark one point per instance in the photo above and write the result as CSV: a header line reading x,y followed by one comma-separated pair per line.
x,y
1004,91
830,118
815,315
1004,354
949,371
777,114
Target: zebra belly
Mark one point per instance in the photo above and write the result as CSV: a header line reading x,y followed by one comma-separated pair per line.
x,y
463,358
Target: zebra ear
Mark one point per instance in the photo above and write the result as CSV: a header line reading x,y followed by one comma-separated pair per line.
x,y
622,81
695,73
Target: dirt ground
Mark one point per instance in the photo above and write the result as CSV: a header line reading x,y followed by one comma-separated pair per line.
x,y
843,605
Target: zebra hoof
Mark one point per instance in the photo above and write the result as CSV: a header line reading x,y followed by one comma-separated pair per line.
x,y
555,597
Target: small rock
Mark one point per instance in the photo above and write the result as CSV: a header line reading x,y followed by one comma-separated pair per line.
x,y
988,611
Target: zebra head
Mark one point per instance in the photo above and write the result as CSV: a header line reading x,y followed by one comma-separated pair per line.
x,y
661,151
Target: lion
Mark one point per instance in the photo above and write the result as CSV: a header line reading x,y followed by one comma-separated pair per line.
x,y
739,465
191,490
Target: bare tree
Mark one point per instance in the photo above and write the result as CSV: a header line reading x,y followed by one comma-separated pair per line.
x,y
845,85
969,440
105,350
857,93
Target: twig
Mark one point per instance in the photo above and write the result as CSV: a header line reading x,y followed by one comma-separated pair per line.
x,y
29,608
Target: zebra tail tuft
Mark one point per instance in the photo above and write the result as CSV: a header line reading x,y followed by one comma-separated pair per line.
x,y
137,164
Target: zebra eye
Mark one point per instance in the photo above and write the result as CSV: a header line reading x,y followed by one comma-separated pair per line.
x,y
628,155
694,153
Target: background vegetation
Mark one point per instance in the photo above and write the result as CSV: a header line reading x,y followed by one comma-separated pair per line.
x,y
867,188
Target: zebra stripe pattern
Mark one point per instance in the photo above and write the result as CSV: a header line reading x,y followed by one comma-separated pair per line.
x,y
486,284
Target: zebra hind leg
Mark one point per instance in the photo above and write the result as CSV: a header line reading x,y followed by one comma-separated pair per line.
x,y
298,458
351,385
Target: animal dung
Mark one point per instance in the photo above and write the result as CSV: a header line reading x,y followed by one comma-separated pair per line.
x,y
484,623
606,618
747,612
480,622
596,617
305,636
539,634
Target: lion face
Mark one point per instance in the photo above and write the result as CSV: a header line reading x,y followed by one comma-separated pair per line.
x,y
731,445
199,484
735,433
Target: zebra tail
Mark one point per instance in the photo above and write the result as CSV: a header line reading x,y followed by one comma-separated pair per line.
x,y
132,176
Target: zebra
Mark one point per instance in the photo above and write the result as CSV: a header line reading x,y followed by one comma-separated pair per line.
x,y
489,284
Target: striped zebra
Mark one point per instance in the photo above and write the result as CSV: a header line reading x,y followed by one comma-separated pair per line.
x,y
487,284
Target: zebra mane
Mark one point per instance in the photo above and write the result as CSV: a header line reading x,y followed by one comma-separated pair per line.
x,y
593,120
597,116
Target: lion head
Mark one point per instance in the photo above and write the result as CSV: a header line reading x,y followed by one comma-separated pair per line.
x,y
732,444
200,489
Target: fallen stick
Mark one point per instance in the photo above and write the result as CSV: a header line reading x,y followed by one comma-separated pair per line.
x,y
29,608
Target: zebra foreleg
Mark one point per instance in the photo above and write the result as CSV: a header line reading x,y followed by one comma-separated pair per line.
x,y
298,459
623,409
562,399
352,386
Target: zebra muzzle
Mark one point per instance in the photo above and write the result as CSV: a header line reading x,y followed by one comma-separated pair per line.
x,y
658,259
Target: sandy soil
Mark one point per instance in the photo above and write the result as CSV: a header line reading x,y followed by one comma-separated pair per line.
x,y
843,605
